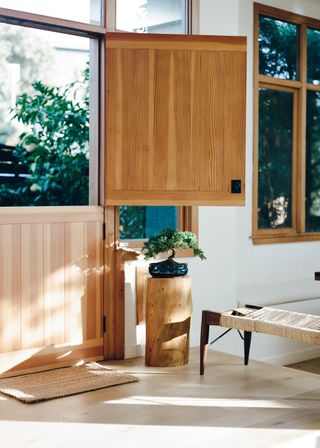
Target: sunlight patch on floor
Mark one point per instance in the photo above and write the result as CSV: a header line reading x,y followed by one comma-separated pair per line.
x,y
37,434
208,402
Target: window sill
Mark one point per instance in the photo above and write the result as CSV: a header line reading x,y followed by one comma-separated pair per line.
x,y
279,239
137,245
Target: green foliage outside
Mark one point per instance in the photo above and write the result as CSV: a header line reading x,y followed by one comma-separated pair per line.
x,y
278,48
313,162
55,147
278,57
170,239
132,222
24,55
275,158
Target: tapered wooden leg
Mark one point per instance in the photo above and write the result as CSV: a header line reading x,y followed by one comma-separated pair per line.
x,y
204,338
247,343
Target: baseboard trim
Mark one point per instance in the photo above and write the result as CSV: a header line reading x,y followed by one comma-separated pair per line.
x,y
290,358
134,351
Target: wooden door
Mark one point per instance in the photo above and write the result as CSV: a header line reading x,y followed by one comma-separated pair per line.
x,y
51,286
175,119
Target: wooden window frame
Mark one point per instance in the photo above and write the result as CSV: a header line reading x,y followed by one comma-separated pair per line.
x,y
188,219
299,89
192,16
96,35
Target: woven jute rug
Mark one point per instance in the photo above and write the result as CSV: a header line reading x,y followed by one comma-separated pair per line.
x,y
63,382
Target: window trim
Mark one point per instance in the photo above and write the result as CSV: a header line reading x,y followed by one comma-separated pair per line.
x,y
188,219
299,88
22,18
191,16
96,35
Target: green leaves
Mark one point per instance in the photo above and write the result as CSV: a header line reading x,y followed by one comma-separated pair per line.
x,y
170,239
55,147
132,222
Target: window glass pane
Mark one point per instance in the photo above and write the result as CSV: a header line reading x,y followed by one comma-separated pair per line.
x,y
144,222
275,159
313,56
151,16
44,117
87,11
278,48
313,163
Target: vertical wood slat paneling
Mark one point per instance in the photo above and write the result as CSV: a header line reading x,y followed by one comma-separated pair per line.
x,y
94,281
10,305
111,217
50,286
177,109
76,264
54,283
32,286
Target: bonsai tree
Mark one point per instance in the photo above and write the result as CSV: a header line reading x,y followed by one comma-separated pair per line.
x,y
168,240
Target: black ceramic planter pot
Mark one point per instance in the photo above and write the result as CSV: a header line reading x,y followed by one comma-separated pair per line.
x,y
168,268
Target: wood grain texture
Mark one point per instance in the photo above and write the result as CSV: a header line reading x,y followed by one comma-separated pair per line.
x,y
175,119
10,288
44,21
176,41
114,285
50,357
110,304
261,405
32,215
50,287
32,285
168,318
285,15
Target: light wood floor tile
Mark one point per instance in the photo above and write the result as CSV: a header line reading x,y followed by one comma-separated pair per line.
x,y
232,405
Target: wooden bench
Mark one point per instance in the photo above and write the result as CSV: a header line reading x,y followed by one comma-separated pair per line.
x,y
251,318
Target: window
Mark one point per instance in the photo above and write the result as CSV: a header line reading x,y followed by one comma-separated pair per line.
x,y
151,16
144,222
287,127
47,125
87,11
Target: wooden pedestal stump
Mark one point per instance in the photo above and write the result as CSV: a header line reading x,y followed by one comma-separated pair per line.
x,y
168,318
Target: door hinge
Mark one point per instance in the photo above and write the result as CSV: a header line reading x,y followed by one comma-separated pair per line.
x,y
104,231
104,324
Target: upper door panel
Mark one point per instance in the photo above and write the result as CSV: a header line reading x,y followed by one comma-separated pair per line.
x,y
176,108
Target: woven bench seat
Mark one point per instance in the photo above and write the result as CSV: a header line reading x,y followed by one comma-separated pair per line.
x,y
288,324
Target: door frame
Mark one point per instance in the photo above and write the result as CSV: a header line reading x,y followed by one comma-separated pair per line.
x,y
114,278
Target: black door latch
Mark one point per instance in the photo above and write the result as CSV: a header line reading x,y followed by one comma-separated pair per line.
x,y
236,186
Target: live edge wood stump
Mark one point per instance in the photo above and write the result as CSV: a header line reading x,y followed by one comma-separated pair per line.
x,y
168,318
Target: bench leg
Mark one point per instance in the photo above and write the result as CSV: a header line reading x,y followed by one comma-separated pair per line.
x,y
208,318
247,343
204,338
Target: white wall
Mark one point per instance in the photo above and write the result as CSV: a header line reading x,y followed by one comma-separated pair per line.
x,y
236,270
264,274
